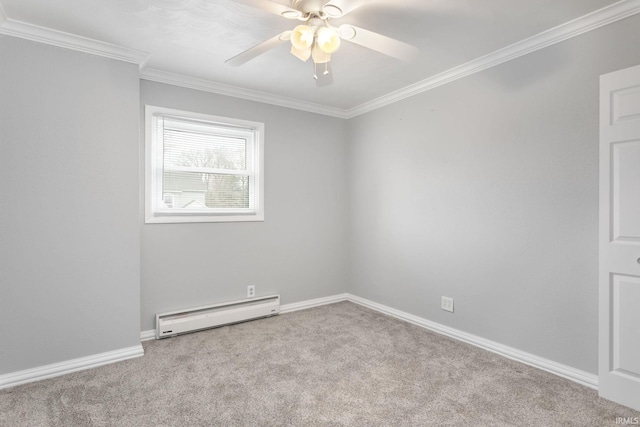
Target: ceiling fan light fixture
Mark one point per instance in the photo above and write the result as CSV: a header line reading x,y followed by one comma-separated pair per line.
x,y
302,54
316,38
327,39
302,37
319,56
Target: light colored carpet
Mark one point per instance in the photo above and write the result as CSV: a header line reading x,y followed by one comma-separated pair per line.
x,y
335,365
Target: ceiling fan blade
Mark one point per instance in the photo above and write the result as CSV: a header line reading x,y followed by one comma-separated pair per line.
x,y
258,49
378,42
271,7
339,8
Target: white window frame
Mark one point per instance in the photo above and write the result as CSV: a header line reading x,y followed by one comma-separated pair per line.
x,y
154,164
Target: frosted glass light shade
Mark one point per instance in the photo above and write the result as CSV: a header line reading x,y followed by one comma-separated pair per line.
x,y
327,39
302,37
301,54
319,56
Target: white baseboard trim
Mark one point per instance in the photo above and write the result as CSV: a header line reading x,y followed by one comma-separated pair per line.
x,y
303,305
61,368
66,367
576,375
148,335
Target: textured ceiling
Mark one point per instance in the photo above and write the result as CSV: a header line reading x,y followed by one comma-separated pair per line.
x,y
194,37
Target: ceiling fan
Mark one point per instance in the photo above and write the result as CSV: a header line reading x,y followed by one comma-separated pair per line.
x,y
316,38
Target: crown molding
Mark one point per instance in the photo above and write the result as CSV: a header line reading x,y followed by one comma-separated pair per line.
x,y
599,18
160,76
49,36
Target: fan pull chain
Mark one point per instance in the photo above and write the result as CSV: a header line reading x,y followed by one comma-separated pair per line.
x,y
315,70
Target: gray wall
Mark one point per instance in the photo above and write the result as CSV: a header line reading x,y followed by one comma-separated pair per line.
x,y
486,190
300,251
69,231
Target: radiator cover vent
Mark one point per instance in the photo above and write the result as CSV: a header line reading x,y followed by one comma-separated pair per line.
x,y
198,318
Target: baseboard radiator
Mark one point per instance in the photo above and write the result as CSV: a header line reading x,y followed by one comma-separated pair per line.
x,y
196,319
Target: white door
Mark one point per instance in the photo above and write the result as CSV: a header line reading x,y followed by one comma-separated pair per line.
x,y
619,342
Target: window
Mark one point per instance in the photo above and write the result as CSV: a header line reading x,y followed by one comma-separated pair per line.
x,y
202,168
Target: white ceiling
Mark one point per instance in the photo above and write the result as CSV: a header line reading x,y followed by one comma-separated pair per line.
x,y
193,38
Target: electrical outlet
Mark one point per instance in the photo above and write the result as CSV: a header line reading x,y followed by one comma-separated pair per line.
x,y
447,304
251,291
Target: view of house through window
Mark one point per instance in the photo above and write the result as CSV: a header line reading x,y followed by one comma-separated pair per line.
x,y
202,168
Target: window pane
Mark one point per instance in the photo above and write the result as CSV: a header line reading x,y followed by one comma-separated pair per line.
x,y
202,168
193,149
191,190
